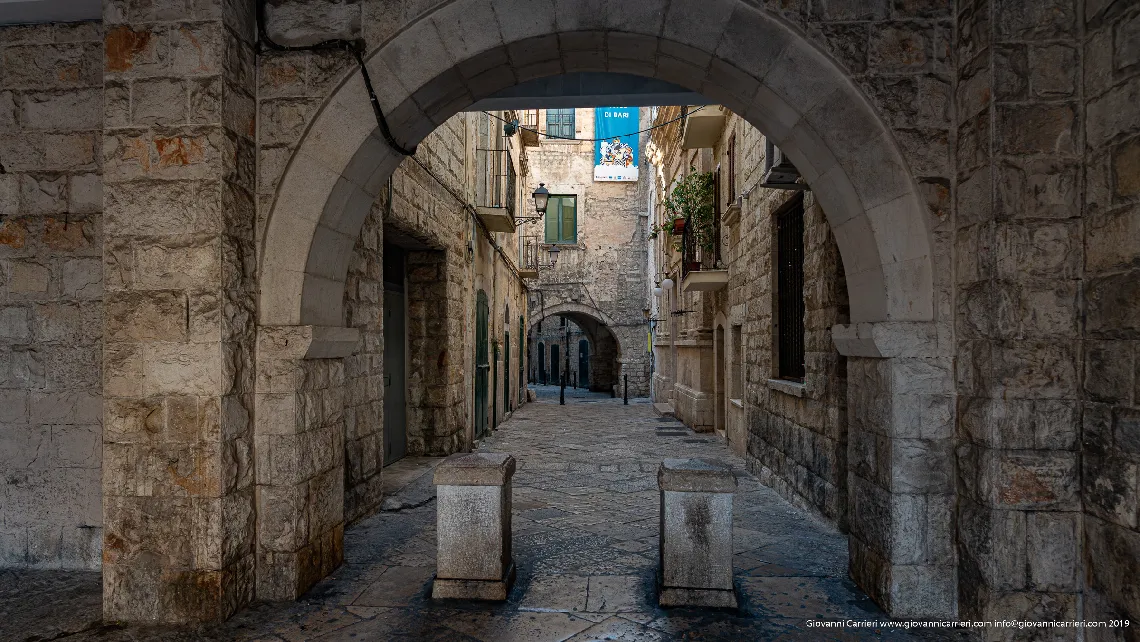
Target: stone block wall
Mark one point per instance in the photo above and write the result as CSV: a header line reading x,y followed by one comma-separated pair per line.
x,y
178,256
799,441
1110,408
51,292
1019,283
300,451
364,372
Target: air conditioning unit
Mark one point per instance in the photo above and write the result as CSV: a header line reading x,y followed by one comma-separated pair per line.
x,y
779,172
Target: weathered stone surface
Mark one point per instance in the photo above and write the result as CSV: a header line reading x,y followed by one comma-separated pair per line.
x,y
474,560
475,469
696,533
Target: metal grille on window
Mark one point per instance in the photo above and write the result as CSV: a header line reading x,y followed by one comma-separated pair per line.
x,y
790,290
732,168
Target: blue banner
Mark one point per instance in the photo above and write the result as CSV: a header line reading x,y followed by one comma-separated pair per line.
x,y
615,151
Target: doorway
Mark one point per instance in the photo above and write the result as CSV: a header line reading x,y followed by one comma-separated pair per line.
x,y
719,379
507,369
583,363
554,364
395,356
482,365
542,363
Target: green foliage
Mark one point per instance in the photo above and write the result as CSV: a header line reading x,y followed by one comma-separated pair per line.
x,y
692,199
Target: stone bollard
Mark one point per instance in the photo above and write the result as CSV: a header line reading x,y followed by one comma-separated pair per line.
x,y
473,527
696,533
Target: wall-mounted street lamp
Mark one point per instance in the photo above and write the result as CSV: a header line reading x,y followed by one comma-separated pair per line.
x,y
553,252
541,196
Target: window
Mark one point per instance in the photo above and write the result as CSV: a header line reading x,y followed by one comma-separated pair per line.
x,y
737,384
560,123
790,290
732,169
562,219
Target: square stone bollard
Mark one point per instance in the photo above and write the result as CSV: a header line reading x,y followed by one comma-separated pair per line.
x,y
473,527
696,533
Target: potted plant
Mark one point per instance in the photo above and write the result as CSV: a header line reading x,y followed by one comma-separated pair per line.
x,y
678,225
691,202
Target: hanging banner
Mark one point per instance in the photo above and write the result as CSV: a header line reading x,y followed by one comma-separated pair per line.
x,y
615,150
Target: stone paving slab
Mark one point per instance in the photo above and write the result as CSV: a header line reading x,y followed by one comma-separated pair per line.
x,y
585,542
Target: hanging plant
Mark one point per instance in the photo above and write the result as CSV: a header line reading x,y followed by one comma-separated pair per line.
x,y
692,200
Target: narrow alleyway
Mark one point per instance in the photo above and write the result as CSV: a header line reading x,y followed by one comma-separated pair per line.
x,y
585,540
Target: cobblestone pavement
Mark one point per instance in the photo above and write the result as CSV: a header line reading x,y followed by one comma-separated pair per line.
x,y
585,542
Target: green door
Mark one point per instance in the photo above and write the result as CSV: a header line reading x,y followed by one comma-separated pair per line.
x,y
506,370
583,363
495,388
522,351
482,365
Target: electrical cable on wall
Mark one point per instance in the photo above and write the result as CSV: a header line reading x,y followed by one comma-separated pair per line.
x,y
356,48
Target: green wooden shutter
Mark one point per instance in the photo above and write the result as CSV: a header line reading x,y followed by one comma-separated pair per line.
x,y
569,219
553,207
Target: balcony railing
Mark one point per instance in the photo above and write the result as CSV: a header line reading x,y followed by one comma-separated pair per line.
x,y
529,122
532,257
495,188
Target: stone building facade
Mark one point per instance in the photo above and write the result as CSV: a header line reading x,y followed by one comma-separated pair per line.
x,y
975,162
717,362
599,281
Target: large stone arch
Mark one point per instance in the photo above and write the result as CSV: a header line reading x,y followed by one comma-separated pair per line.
x,y
729,51
763,69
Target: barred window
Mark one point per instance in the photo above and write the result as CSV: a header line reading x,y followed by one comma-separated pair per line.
x,y
790,290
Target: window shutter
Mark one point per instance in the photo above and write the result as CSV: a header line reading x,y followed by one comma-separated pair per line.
x,y
569,219
552,211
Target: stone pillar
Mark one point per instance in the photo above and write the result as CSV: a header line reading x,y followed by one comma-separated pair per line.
x,y
178,154
696,533
900,468
299,449
1022,296
474,527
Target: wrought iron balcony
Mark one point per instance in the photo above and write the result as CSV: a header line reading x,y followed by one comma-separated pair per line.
x,y
531,258
496,186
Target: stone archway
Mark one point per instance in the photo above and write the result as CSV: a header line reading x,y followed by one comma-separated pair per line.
x,y
609,341
761,68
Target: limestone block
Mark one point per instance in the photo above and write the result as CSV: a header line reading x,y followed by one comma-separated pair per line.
x,y
474,526
71,110
696,533
468,28
14,325
82,279
303,22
